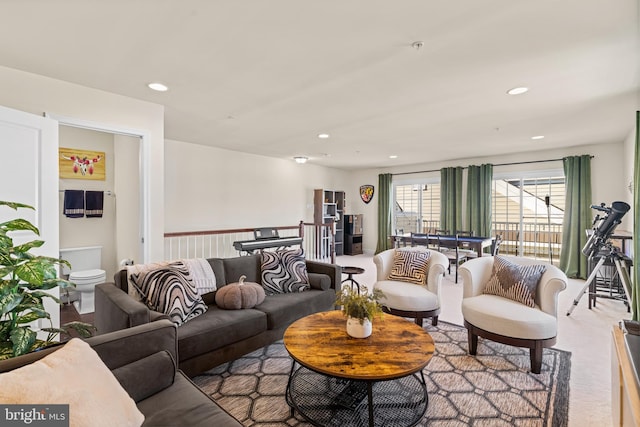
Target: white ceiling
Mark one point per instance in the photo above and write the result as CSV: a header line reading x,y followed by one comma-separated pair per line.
x,y
266,76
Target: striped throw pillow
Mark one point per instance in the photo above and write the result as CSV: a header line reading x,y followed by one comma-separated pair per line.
x,y
284,272
410,266
170,290
514,281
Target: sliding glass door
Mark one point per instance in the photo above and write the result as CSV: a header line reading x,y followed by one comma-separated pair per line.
x,y
528,210
416,207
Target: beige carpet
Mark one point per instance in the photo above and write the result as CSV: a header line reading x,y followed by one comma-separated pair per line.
x,y
494,388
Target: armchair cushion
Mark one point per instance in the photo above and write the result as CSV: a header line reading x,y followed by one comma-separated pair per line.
x,y
410,266
407,296
508,318
513,281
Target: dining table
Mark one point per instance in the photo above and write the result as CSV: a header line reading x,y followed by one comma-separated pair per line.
x,y
477,243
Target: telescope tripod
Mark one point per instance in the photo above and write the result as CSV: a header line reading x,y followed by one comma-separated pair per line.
x,y
621,267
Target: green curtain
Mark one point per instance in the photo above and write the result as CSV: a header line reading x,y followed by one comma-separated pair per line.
x,y
478,209
384,212
577,215
451,199
635,294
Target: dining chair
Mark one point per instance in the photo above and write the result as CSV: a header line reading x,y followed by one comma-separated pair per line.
x,y
452,252
464,246
495,245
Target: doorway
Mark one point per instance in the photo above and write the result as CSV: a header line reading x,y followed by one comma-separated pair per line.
x,y
127,200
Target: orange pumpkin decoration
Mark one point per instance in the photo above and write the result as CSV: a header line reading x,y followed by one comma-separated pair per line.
x,y
236,296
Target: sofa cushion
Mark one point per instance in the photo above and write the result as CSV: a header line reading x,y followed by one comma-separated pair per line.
x,y
514,281
73,375
410,266
284,309
147,376
184,404
248,266
169,290
218,328
284,271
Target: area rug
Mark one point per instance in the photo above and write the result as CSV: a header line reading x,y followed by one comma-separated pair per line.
x,y
493,388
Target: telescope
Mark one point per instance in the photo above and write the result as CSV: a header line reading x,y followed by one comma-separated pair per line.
x,y
603,227
598,246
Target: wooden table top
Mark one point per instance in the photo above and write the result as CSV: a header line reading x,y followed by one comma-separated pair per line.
x,y
396,348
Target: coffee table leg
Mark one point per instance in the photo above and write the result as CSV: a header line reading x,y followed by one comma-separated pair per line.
x,y
287,394
370,401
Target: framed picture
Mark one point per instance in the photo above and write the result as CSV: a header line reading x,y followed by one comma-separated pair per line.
x,y
81,164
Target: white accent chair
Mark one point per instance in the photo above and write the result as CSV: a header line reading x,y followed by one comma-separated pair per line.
x,y
509,322
408,299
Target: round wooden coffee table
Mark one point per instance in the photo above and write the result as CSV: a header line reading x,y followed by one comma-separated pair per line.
x,y
339,380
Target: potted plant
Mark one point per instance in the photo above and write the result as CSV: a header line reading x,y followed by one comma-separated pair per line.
x,y
360,308
24,280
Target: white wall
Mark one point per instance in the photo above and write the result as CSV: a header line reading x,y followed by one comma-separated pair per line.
x,y
628,164
607,176
209,188
37,94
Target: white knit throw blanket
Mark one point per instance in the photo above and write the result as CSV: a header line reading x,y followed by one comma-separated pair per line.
x,y
201,274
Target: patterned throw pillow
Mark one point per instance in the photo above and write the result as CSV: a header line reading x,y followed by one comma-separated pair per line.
x,y
514,281
410,266
284,272
169,290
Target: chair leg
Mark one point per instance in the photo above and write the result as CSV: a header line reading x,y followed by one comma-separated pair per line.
x,y
419,321
434,321
535,354
473,342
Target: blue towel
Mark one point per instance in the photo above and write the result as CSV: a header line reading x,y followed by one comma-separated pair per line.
x,y
94,201
74,203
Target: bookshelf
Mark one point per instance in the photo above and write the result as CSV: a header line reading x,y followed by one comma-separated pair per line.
x,y
329,207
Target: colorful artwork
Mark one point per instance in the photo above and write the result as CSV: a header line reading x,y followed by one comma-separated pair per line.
x,y
366,193
81,164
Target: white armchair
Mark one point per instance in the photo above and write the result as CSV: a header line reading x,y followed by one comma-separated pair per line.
x,y
408,299
506,321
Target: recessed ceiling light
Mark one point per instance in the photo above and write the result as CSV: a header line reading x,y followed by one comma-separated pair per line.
x,y
301,159
518,90
538,137
393,156
158,87
323,135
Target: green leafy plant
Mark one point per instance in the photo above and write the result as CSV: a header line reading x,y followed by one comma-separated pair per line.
x,y
24,280
360,305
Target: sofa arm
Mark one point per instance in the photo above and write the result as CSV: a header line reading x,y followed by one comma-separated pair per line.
x,y
115,310
125,346
334,271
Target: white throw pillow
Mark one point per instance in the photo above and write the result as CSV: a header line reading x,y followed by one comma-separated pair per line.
x,y
73,375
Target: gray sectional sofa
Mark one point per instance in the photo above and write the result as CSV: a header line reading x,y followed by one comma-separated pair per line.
x,y
221,335
143,361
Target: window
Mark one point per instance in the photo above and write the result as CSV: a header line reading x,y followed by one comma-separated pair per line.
x,y
417,207
520,213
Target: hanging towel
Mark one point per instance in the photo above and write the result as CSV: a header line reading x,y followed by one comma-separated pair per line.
x,y
74,203
94,203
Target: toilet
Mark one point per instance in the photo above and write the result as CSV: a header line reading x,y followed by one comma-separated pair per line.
x,y
85,273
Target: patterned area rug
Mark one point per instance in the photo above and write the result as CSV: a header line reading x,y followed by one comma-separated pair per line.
x,y
494,388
